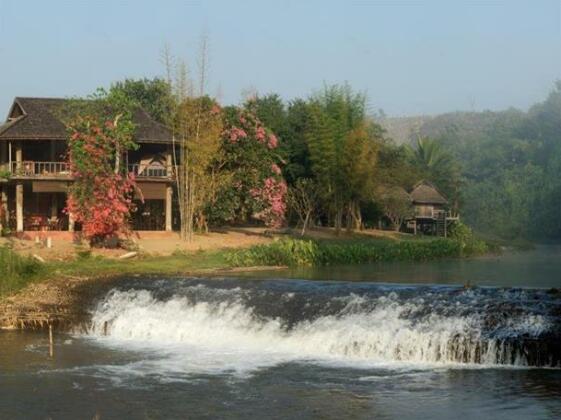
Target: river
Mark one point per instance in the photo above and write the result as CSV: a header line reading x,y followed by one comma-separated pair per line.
x,y
381,341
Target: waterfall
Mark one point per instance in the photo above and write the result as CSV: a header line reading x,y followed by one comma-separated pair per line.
x,y
270,322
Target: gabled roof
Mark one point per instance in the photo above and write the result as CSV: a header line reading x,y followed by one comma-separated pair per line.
x,y
394,191
426,193
36,119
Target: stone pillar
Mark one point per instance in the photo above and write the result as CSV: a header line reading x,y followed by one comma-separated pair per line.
x,y
169,199
19,207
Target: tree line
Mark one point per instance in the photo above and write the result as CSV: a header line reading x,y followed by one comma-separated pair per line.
x,y
331,164
324,160
510,166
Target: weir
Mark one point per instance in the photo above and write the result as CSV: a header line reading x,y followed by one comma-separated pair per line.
x,y
323,322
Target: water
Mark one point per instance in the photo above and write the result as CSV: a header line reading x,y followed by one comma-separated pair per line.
x,y
540,267
267,348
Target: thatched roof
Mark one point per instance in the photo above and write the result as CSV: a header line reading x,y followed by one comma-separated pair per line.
x,y
394,192
426,193
36,119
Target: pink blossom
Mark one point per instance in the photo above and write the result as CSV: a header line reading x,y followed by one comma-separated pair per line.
x,y
236,133
260,134
273,142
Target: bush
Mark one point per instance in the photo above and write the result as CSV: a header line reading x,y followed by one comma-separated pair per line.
x,y
468,242
297,252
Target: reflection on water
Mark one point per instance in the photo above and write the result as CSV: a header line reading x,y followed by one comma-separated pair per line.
x,y
540,267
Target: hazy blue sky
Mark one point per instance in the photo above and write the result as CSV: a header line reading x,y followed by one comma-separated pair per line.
x,y
410,57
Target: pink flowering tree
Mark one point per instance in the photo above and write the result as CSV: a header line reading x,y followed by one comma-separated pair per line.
x,y
256,189
100,198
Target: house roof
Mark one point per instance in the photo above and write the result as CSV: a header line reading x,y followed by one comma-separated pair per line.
x,y
394,191
37,119
426,193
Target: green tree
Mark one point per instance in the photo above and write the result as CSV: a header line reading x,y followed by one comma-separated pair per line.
x,y
342,145
153,95
436,164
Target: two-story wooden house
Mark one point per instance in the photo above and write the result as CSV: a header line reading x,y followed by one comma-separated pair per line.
x,y
34,174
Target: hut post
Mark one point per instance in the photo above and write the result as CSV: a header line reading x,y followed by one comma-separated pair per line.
x,y
51,346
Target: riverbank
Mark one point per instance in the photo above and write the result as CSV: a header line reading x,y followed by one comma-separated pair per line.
x,y
60,289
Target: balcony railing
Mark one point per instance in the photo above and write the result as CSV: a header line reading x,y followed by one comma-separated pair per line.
x,y
426,212
151,171
34,169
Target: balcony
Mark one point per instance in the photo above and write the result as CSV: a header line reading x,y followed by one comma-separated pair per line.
x,y
429,212
61,170
44,170
151,171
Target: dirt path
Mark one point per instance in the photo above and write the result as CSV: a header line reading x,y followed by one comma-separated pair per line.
x,y
149,243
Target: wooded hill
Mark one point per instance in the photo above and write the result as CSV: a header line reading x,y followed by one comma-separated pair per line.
x,y
510,163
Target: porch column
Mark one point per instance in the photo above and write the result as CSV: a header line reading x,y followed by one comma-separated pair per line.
x,y
4,207
19,156
70,222
19,207
52,151
4,155
169,163
54,206
3,192
169,198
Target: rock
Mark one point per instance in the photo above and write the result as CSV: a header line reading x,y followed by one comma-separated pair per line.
x,y
128,255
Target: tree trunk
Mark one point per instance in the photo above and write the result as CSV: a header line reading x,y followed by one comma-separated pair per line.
x,y
338,220
305,223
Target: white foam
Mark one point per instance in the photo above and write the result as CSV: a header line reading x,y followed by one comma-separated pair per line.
x,y
187,336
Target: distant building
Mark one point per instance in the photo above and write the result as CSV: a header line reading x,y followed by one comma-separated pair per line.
x,y
432,215
34,174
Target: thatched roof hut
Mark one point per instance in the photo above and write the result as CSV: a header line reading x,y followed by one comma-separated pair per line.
x,y
426,193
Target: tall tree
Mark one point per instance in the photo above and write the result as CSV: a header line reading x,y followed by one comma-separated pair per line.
x,y
153,95
436,164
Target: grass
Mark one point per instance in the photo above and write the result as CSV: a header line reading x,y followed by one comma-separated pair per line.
x,y
173,264
17,271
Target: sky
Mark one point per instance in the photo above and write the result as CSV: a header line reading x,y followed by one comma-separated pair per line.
x,y
409,57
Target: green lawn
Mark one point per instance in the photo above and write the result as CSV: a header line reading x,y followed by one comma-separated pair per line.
x,y
18,271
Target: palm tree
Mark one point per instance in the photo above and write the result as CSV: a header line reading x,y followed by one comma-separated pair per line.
x,y
437,165
430,157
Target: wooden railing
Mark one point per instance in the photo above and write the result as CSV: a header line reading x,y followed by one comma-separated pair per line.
x,y
38,169
431,213
147,171
424,211
32,169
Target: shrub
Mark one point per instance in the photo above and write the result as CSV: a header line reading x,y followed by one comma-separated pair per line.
x,y
297,252
469,244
